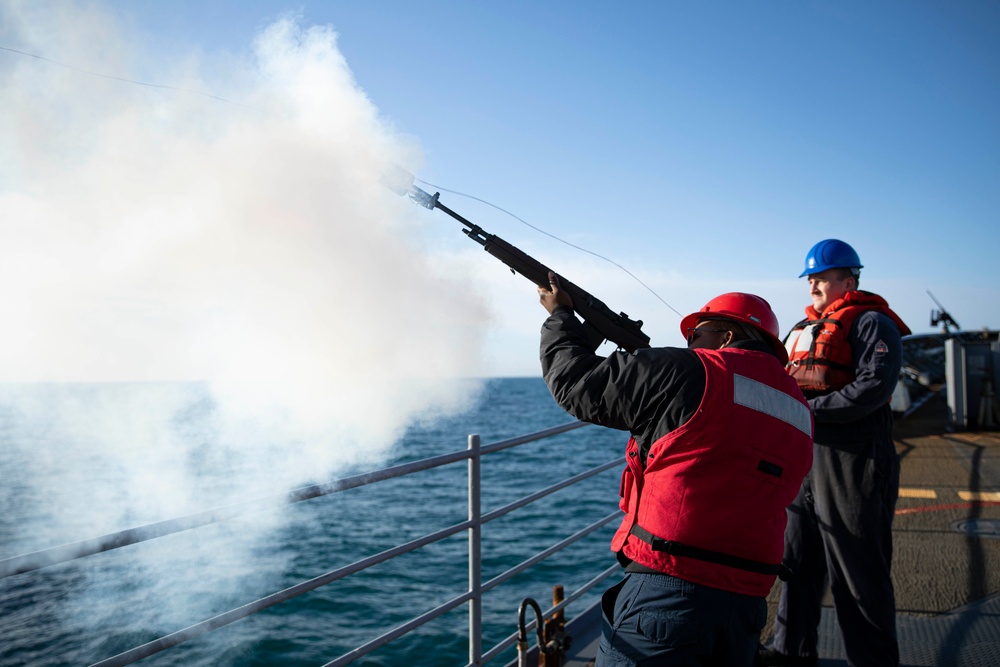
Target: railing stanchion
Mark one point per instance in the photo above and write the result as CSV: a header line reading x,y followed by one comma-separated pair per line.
x,y
475,556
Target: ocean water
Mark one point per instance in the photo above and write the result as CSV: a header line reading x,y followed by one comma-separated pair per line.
x,y
80,612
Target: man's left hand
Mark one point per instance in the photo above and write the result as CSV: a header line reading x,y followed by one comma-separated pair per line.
x,y
553,297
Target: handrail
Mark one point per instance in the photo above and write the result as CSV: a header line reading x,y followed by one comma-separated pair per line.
x,y
569,481
473,455
74,550
216,622
542,555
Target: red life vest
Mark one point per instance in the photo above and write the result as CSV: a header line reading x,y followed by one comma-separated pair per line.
x,y
709,505
819,356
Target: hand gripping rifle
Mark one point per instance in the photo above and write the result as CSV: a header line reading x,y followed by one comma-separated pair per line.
x,y
601,322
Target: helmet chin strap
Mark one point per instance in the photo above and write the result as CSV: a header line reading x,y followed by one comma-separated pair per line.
x,y
752,333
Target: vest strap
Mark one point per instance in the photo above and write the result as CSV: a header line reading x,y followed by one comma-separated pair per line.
x,y
812,361
677,549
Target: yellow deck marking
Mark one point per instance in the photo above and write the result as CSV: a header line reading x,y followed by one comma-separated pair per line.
x,y
979,495
917,493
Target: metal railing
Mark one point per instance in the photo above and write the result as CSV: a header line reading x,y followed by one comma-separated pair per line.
x,y
473,525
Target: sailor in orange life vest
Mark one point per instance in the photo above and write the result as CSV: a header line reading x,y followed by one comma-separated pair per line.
x,y
721,440
846,356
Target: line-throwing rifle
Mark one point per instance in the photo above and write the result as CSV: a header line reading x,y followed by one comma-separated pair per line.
x,y
602,322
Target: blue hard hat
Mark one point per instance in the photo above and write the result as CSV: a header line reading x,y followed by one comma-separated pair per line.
x,y
831,254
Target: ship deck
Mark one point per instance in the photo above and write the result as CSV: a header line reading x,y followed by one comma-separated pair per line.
x,y
946,563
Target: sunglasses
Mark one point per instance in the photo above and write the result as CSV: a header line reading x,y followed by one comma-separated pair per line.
x,y
694,332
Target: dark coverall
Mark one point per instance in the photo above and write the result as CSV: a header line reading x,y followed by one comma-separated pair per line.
x,y
649,393
840,526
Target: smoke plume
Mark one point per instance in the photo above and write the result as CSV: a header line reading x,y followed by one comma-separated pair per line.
x,y
208,295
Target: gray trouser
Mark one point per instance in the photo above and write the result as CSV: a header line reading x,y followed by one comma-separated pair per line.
x,y
840,532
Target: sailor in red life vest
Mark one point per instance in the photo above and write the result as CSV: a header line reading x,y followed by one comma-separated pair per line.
x,y
721,440
846,356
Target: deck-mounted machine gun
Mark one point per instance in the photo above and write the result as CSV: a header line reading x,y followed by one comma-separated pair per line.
x,y
942,317
601,321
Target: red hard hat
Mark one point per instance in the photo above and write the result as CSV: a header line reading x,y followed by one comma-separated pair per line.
x,y
742,307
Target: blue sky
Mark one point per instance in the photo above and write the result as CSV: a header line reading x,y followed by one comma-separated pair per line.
x,y
704,146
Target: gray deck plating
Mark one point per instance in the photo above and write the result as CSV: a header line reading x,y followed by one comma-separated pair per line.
x,y
966,637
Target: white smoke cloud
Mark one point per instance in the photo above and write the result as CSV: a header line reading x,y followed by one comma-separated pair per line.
x,y
152,235
168,236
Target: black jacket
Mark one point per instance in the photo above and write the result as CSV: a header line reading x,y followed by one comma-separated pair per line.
x,y
649,393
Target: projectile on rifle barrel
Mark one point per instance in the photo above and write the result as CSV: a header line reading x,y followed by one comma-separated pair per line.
x,y
400,181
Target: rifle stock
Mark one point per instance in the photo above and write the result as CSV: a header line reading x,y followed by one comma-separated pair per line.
x,y
602,322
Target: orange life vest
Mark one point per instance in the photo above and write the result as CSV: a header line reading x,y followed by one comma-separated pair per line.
x,y
709,504
819,355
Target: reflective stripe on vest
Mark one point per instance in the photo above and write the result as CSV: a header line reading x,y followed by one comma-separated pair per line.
x,y
762,398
